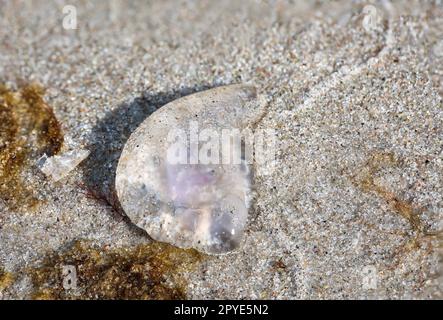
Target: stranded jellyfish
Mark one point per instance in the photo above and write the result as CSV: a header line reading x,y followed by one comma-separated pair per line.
x,y
182,175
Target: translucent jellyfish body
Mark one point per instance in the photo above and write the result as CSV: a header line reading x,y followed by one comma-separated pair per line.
x,y
180,176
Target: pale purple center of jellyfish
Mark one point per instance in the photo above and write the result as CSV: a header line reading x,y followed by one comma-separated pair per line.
x,y
206,204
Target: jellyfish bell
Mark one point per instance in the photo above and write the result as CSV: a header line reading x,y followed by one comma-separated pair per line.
x,y
188,203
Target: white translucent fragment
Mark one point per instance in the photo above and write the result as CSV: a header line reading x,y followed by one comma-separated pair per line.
x,y
59,166
171,180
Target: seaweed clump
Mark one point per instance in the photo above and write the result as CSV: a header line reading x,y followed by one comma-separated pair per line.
x,y
28,129
404,208
147,271
6,279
